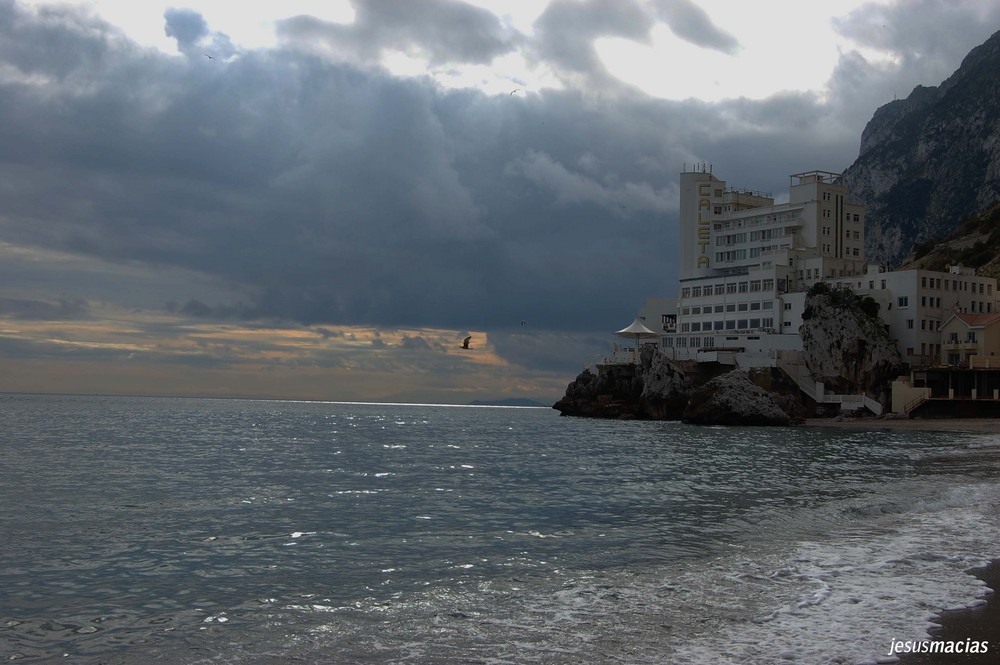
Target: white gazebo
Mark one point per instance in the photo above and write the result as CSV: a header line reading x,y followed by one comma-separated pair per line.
x,y
638,330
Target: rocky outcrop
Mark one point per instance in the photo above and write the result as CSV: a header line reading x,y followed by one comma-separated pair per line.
x,y
733,399
845,344
930,159
653,389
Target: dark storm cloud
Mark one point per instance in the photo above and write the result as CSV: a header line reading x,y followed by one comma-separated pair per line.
x,y
188,27
566,31
691,23
328,193
40,310
445,31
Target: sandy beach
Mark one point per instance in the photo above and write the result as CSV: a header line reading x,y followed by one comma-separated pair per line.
x,y
920,424
979,624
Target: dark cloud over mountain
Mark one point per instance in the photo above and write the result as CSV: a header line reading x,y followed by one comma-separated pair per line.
x,y
314,187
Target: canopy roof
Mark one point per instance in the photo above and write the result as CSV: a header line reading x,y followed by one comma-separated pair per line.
x,y
637,329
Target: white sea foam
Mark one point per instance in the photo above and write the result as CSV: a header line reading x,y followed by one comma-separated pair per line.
x,y
873,588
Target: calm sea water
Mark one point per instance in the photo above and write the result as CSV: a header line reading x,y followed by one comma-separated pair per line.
x,y
226,531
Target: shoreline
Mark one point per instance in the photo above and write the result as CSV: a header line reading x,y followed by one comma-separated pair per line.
x,y
979,624
975,425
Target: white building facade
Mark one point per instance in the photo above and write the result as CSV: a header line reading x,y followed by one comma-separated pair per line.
x,y
745,264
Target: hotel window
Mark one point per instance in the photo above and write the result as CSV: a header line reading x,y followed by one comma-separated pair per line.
x,y
909,324
718,308
767,323
755,323
788,306
754,306
717,325
685,292
768,284
923,282
902,301
883,283
731,307
668,342
685,327
744,287
720,289
731,287
685,311
923,324
696,291
696,310
682,342
710,342
731,324
742,306
953,337
696,326
970,336
980,288
768,304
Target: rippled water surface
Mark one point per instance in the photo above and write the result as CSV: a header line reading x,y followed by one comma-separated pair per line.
x,y
192,530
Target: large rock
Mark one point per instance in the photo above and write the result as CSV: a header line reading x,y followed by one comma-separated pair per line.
x,y
653,389
733,399
845,344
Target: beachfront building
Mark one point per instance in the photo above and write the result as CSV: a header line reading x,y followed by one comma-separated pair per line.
x,y
745,263
972,340
916,303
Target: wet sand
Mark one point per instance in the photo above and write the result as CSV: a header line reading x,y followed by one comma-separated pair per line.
x,y
917,424
981,624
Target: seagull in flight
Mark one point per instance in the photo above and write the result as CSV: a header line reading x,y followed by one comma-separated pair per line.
x,y
208,56
513,91
465,342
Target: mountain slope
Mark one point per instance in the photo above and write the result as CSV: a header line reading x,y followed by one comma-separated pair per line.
x,y
931,159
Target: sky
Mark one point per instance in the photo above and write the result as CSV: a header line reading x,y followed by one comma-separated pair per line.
x,y
320,199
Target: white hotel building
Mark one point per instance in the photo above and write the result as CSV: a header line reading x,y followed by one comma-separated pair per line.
x,y
745,264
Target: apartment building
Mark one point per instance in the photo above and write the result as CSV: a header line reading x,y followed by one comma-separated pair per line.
x,y
745,263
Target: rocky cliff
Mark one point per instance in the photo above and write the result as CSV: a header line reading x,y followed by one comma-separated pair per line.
x,y
930,159
845,344
652,389
733,399
657,389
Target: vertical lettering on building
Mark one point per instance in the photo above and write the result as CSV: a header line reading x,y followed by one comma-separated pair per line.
x,y
704,225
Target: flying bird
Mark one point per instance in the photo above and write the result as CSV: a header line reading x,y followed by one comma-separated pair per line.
x,y
465,342
208,56
513,91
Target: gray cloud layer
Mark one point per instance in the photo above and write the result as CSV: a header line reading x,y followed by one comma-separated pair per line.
x,y
328,192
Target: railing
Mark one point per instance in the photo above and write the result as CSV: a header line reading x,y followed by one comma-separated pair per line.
x,y
914,403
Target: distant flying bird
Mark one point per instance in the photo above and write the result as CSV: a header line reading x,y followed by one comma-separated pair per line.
x,y
465,342
513,91
208,56
524,323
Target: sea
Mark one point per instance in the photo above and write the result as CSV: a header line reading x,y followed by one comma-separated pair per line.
x,y
171,530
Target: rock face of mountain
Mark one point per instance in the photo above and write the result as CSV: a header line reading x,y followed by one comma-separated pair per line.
x,y
931,159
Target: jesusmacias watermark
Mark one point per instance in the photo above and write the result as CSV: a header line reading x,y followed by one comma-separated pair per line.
x,y
938,646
